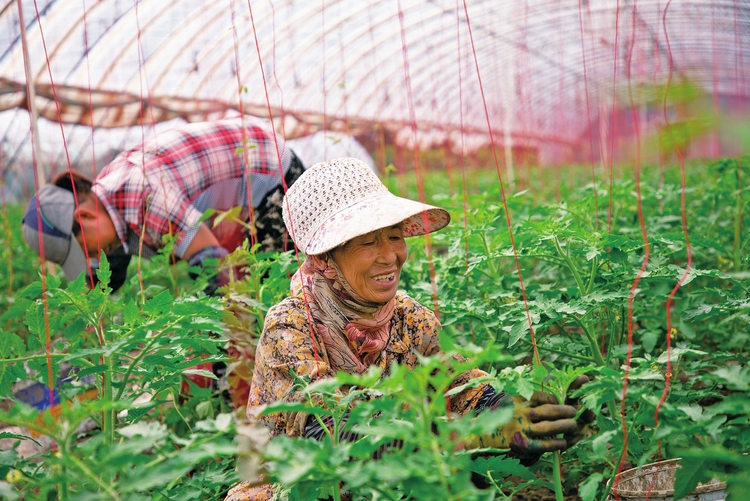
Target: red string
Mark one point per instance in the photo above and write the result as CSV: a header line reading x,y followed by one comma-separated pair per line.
x,y
714,82
143,161
35,167
502,188
737,72
688,248
644,263
248,174
417,160
588,114
612,122
463,165
283,184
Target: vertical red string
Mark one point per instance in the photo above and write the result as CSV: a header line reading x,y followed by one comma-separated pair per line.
x,y
714,84
248,172
688,248
283,181
417,160
737,72
502,188
588,115
143,160
43,264
612,118
463,165
91,115
644,263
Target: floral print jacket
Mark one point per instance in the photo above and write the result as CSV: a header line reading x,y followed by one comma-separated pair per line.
x,y
287,344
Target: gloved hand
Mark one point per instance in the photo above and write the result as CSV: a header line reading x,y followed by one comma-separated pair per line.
x,y
199,258
532,429
584,420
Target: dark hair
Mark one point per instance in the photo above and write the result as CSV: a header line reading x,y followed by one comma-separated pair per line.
x,y
67,180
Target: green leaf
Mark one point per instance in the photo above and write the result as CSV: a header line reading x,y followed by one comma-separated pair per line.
x,y
97,369
10,343
691,471
151,429
6,434
502,466
7,491
158,304
589,487
518,331
294,407
131,313
35,319
200,372
232,213
735,377
648,340
104,273
602,441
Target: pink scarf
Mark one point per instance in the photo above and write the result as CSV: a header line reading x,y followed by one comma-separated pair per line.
x,y
352,342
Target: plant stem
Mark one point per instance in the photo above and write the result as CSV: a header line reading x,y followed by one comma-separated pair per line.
x,y
91,476
592,275
556,465
560,352
137,359
595,353
109,414
573,269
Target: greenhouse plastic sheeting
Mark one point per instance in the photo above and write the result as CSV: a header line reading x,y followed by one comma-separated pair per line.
x,y
536,70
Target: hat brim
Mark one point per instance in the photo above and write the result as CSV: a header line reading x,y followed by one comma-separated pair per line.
x,y
75,262
373,213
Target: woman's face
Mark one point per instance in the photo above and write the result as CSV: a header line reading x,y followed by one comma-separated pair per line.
x,y
371,263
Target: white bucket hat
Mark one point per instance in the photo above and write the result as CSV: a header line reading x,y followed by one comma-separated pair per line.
x,y
335,201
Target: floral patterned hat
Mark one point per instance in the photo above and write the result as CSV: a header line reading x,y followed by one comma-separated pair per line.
x,y
337,200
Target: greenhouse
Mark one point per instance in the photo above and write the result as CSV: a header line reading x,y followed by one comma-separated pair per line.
x,y
407,250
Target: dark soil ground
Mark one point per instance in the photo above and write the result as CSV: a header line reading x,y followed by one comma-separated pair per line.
x,y
542,494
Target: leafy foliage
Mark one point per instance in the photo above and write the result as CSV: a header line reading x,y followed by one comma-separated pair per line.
x,y
119,360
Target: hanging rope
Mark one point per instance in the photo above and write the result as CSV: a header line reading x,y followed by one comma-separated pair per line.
x,y
588,113
463,165
688,248
283,183
644,263
502,189
612,118
417,161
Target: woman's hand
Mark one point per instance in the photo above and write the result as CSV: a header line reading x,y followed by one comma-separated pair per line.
x,y
533,427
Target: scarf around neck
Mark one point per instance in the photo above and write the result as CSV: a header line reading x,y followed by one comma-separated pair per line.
x,y
352,342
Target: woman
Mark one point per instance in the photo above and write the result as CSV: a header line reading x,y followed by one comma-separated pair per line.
x,y
347,314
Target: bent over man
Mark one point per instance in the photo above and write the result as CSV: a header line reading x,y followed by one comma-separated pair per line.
x,y
163,187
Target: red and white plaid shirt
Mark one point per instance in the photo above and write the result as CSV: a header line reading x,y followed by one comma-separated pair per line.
x,y
164,185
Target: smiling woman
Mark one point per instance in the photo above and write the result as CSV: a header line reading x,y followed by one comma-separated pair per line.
x,y
371,263
347,314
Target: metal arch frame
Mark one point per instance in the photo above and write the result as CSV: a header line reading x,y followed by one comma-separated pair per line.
x,y
599,60
16,56
333,55
195,20
223,56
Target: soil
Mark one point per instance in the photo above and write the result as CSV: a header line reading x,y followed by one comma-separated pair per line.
x,y
542,494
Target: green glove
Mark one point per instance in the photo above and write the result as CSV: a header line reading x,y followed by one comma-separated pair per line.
x,y
532,429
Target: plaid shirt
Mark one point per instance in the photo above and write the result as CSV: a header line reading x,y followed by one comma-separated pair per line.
x,y
164,185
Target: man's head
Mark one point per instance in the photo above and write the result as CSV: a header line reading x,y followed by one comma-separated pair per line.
x,y
66,230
